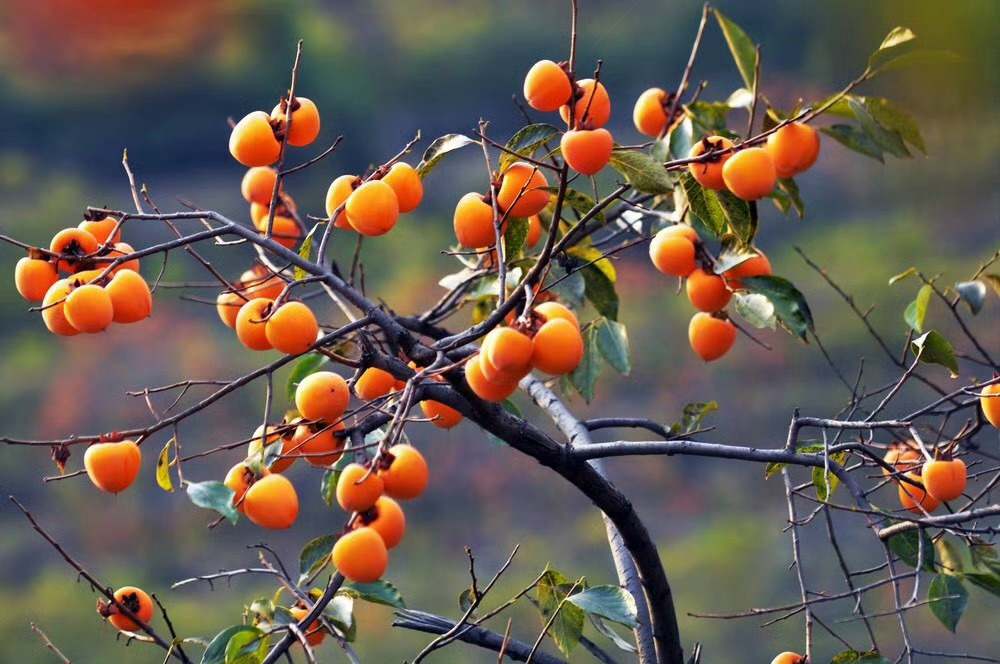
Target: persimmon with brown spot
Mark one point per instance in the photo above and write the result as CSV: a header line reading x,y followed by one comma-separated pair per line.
x,y
33,277
404,472
271,502
136,601
322,395
547,86
360,555
252,141
113,467
710,337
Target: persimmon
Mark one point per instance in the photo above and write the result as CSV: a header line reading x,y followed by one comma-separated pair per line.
x,y
53,313
131,300
318,443
755,266
441,415
89,309
789,658
522,176
592,106
314,633
239,478
228,304
275,433
357,488
793,148
259,281
284,230
749,173
407,184
387,519
305,120
374,383
258,185
902,457
337,194
33,277
534,231
72,244
944,480
403,472
707,291
136,601
271,502
102,229
322,395
124,249
672,251
649,115
360,555
484,388
292,328
506,355
557,347
252,141
250,323
373,208
708,172
552,309
547,86
113,467
473,222
989,401
710,337
914,497
587,151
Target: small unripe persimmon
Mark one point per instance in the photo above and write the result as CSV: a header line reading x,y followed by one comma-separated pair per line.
x,y
131,300
793,148
710,337
756,266
557,347
33,277
473,222
373,208
707,291
271,502
593,113
587,151
136,601
441,415
322,395
88,308
405,476
251,323
708,173
387,519
944,480
989,401
292,328
357,488
649,115
484,388
72,244
258,185
360,555
53,313
374,383
523,176
305,120
112,467
672,251
407,184
547,86
750,174
337,195
252,142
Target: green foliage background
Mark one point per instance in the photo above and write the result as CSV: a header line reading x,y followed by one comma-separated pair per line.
x,y
379,72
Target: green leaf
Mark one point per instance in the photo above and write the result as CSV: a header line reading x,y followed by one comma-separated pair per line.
x,y
802,447
933,348
906,545
826,483
602,628
600,291
439,148
305,251
973,293
853,139
611,602
163,468
756,309
567,627
789,304
694,414
909,272
916,311
514,237
246,647
214,496
949,555
526,141
896,119
377,592
315,553
465,600
987,581
789,188
215,653
711,118
307,364
584,377
719,210
328,485
888,140
744,53
568,286
855,657
681,139
340,613
612,342
731,254
644,173
895,44
948,599
920,58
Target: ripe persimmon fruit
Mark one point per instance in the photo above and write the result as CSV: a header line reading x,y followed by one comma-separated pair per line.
x,y
484,388
271,502
793,148
473,222
286,434
124,249
337,194
72,244
441,415
292,328
710,337
131,300
251,323
113,467
672,250
749,174
789,658
552,309
258,184
506,355
305,120
318,443
989,401
756,266
944,480
322,395
374,383
522,176
649,116
547,86
88,308
387,519
53,314
902,457
407,184
284,230
357,488
404,472
707,291
557,347
708,172
239,478
252,141
592,106
228,304
360,555
259,281
33,277
587,151
102,229
914,497
136,601
534,231
373,208
314,633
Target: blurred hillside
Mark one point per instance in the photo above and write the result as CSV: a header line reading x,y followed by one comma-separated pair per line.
x,y
82,81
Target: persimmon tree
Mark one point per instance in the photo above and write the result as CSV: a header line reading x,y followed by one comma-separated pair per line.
x,y
535,249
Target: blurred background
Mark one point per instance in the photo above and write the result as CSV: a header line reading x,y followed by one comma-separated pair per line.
x,y
84,79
